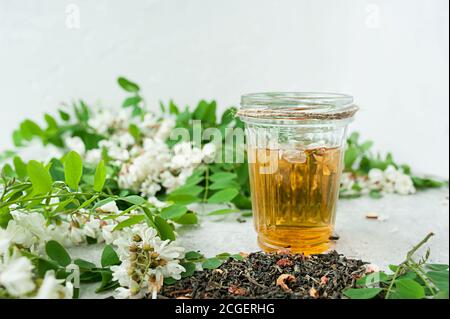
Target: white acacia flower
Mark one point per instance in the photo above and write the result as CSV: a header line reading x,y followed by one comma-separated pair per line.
x,y
92,228
108,233
376,177
122,293
391,174
52,288
110,207
16,275
93,156
209,152
156,202
347,181
75,144
146,260
404,185
20,235
5,241
77,235
33,222
165,128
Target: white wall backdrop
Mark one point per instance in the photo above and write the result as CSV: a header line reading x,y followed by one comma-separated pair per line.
x,y
392,55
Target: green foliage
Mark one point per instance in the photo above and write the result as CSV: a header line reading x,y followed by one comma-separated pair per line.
x,y
57,253
212,263
73,169
410,280
100,176
40,177
174,212
359,160
109,257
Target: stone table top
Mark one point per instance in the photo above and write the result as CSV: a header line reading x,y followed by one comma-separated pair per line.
x,y
402,222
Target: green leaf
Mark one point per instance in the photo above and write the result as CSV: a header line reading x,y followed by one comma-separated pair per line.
x,y
228,116
133,220
17,138
109,257
189,269
20,167
100,176
237,257
58,253
84,264
408,289
372,279
173,212
350,157
127,85
223,196
8,171
212,263
223,176
57,170
363,293
223,256
182,199
375,194
64,115
193,256
40,177
225,211
189,218
134,199
103,202
424,183
440,279
5,217
44,265
173,109
224,184
206,112
29,129
366,146
353,138
191,190
169,281
164,229
73,169
437,267
51,122
134,100
242,202
135,132
107,282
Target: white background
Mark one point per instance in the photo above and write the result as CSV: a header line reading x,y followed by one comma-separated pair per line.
x,y
392,55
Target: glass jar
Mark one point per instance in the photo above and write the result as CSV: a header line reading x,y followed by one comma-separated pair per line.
x,y
295,144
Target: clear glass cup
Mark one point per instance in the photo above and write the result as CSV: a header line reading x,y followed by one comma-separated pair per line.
x,y
295,144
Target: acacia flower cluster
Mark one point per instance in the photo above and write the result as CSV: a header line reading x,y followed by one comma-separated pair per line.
x,y
146,261
18,278
391,180
147,165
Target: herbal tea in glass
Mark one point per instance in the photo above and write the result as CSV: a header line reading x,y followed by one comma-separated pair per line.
x,y
295,146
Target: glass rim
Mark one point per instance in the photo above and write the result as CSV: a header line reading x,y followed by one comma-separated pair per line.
x,y
297,106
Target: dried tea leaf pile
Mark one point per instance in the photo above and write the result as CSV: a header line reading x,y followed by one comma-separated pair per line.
x,y
272,276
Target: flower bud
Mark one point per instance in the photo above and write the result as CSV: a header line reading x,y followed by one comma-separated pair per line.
x,y
147,247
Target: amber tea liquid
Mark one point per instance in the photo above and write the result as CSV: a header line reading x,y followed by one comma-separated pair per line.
x,y
294,201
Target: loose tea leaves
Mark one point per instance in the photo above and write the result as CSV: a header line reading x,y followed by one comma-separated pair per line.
x,y
272,276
